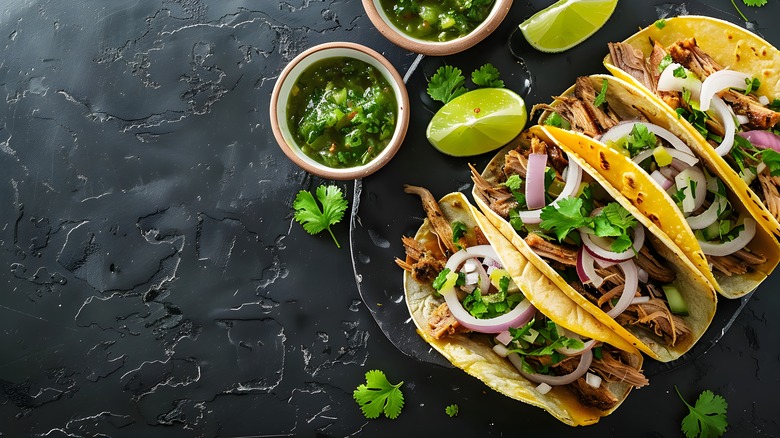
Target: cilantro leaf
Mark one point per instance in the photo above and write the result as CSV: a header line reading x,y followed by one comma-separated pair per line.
x,y
378,395
314,219
564,217
556,120
679,72
514,182
665,61
458,230
771,158
452,410
707,418
756,3
446,84
487,77
602,96
660,23
752,85
640,139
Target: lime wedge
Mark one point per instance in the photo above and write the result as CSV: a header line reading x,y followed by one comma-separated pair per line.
x,y
476,122
566,23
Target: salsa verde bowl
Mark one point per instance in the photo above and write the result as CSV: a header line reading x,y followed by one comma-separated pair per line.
x,y
412,29
347,71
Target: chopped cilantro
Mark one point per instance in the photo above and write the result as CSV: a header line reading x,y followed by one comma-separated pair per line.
x,y
640,139
752,85
665,61
487,77
602,96
516,221
513,183
314,219
660,23
679,72
774,105
564,218
452,410
707,418
446,84
771,158
615,221
438,282
378,395
556,120
491,305
458,230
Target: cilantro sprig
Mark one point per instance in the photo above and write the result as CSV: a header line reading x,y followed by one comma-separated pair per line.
x,y
316,220
707,418
378,396
752,3
452,410
448,82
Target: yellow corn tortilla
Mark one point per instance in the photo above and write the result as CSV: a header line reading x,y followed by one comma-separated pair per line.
x,y
733,47
473,353
650,199
697,292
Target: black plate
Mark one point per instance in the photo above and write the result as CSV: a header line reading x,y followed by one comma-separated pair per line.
x,y
382,213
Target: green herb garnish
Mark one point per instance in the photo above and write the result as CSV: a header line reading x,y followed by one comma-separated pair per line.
x,y
314,219
707,418
602,96
378,395
487,77
452,410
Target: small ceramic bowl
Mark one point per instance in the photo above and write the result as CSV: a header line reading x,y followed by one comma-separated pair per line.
x,y
378,16
288,78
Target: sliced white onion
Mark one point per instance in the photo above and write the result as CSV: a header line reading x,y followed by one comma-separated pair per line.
x,y
684,157
669,82
586,269
640,300
590,243
517,317
692,200
573,179
543,388
742,119
470,266
718,81
593,380
629,288
726,248
585,360
763,100
622,130
642,275
709,216
661,179
729,126
501,350
534,182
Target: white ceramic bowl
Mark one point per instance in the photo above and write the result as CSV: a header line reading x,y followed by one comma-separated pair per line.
x,y
378,17
288,77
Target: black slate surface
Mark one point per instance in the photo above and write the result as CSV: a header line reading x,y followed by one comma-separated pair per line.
x,y
155,284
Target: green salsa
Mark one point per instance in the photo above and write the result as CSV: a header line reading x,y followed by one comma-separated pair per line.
x,y
342,112
437,20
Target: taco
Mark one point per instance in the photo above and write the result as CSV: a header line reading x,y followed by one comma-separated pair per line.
x,y
724,83
649,156
594,245
540,348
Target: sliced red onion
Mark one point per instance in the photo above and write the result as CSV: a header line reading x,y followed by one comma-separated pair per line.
x,y
729,126
692,200
517,317
534,181
573,180
586,269
762,139
709,216
593,380
504,337
718,81
726,248
629,288
589,242
669,172
585,360
661,179
622,130
683,156
669,82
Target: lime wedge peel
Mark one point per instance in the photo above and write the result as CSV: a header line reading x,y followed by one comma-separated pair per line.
x,y
566,23
478,121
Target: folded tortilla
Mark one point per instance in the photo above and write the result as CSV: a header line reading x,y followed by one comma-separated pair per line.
x,y
694,287
473,353
649,198
732,47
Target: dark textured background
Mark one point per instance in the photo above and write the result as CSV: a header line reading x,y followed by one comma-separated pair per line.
x,y
153,282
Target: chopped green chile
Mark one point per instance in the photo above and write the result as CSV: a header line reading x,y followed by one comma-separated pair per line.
x,y
437,20
342,111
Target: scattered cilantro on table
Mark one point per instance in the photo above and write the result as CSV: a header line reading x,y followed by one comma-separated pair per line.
x,y
452,410
754,3
448,81
707,418
378,395
314,219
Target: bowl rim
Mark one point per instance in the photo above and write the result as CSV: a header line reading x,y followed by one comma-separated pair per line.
x,y
291,72
433,48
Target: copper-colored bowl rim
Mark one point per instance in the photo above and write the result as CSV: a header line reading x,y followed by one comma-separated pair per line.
x,y
294,152
376,15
